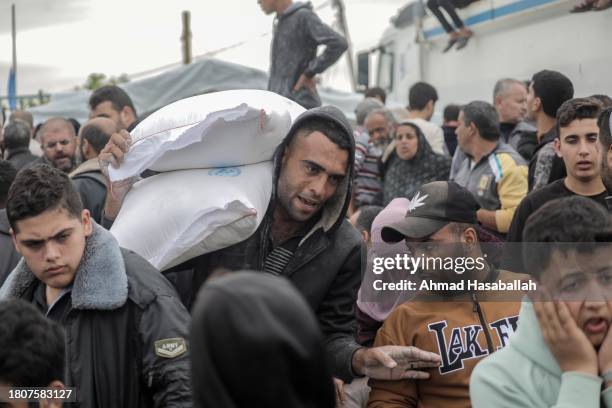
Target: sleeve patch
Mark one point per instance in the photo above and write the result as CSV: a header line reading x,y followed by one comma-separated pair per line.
x,y
170,348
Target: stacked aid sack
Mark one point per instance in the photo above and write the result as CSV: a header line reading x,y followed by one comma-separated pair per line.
x,y
214,155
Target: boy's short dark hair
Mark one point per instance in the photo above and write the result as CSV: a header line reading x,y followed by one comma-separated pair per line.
x,y
576,109
451,113
605,100
574,219
40,188
376,92
484,116
7,176
605,133
553,88
31,346
420,94
367,213
115,95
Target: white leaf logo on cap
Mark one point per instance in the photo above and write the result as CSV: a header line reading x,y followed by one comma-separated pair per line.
x,y
417,201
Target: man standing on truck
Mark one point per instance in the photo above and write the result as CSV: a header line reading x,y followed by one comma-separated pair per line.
x,y
294,63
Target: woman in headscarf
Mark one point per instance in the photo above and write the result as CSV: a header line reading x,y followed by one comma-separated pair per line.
x,y
410,162
255,342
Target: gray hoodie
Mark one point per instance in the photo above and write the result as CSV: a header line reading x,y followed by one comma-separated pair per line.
x,y
526,374
298,32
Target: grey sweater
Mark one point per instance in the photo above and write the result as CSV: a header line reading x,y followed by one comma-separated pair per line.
x,y
297,34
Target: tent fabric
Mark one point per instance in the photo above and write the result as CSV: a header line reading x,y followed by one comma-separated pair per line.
x,y
202,76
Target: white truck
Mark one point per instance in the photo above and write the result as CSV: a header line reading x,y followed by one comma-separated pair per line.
x,y
513,38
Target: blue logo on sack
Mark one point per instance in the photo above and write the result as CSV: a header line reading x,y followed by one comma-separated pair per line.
x,y
225,172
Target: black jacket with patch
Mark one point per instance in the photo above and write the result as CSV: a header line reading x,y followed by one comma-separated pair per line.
x,y
325,267
126,329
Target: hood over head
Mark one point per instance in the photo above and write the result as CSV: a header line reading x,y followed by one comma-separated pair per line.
x,y
256,342
293,8
379,304
334,210
424,150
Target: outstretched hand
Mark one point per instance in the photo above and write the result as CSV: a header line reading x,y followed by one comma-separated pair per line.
x,y
394,362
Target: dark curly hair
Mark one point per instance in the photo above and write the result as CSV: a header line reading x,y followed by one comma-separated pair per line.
x,y
562,224
39,188
578,108
7,176
31,346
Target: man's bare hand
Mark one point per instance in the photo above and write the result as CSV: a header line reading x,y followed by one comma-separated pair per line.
x,y
394,362
115,150
113,154
304,81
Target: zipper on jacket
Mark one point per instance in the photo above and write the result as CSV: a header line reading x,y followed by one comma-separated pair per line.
x,y
68,344
483,323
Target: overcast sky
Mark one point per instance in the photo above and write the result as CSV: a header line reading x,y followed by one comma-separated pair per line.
x,y
60,42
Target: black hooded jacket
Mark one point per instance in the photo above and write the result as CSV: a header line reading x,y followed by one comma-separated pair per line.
x,y
298,32
326,267
256,343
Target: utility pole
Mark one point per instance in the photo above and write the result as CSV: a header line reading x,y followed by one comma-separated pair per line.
x,y
186,37
12,84
341,17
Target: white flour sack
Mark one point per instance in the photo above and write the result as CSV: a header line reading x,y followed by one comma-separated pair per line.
x,y
175,216
221,129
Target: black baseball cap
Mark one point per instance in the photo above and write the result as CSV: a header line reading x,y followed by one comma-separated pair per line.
x,y
432,207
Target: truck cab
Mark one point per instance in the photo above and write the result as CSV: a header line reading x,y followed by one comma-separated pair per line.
x,y
513,38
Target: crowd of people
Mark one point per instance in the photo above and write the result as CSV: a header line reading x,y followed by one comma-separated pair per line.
x,y
124,321
533,166
290,316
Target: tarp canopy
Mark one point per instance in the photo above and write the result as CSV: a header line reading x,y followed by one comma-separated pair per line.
x,y
202,76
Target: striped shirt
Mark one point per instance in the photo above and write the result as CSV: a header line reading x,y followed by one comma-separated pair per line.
x,y
280,255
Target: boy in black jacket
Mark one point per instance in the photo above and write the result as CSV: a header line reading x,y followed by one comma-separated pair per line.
x,y
125,326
